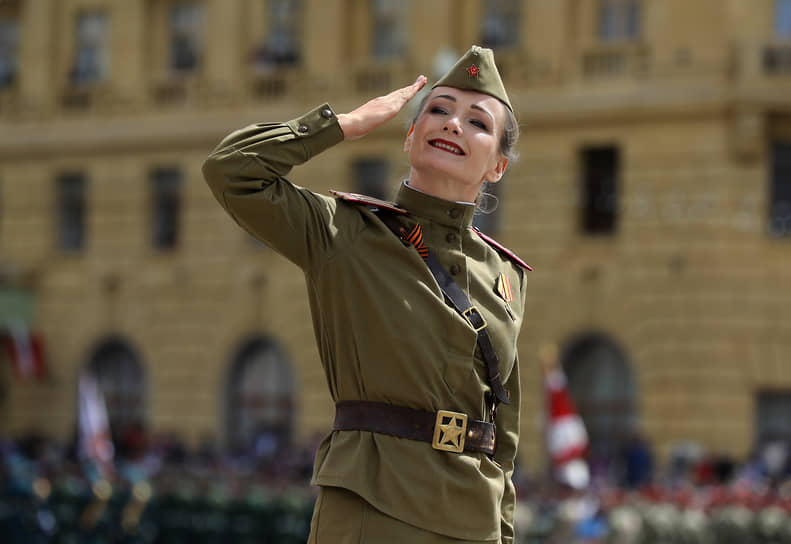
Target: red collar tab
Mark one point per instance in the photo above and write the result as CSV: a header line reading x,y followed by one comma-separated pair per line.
x,y
473,71
357,198
502,249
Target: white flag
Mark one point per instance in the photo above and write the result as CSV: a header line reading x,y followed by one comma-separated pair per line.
x,y
95,440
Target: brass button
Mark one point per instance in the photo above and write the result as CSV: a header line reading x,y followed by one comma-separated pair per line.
x,y
303,128
450,238
454,213
326,113
455,269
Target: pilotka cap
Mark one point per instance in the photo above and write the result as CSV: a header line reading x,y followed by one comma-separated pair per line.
x,y
476,71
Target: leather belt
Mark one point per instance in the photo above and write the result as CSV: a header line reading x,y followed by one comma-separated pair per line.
x,y
445,430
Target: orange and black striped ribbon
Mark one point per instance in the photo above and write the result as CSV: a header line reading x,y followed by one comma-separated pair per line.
x,y
415,237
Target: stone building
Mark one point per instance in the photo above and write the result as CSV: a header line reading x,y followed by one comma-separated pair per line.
x,y
651,197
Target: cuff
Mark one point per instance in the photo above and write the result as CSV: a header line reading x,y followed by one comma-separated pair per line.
x,y
318,129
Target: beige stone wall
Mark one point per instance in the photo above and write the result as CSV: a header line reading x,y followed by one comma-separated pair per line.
x,y
691,287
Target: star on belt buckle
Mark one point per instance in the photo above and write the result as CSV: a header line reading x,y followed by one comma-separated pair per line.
x,y
450,429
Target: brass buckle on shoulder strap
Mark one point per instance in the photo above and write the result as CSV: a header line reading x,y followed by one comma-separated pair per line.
x,y
468,316
450,429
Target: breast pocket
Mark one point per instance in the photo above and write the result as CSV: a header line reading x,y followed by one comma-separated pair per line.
x,y
460,356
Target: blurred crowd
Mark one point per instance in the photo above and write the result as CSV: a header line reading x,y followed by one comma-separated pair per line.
x,y
162,490
157,490
695,498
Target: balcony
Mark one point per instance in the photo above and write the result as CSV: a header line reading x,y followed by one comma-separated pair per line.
x,y
8,100
374,77
616,61
516,67
173,88
81,98
277,84
777,60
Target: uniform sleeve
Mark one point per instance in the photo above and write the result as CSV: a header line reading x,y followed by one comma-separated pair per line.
x,y
507,440
245,173
508,425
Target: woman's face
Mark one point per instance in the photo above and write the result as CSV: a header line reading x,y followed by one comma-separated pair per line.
x,y
455,143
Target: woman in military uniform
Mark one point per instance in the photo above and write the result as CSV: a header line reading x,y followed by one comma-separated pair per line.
x,y
416,314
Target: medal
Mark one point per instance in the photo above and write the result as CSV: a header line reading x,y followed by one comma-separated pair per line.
x,y
503,288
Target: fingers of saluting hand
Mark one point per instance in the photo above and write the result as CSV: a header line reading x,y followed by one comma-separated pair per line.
x,y
378,111
407,93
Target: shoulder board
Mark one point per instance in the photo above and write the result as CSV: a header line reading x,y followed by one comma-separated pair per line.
x,y
357,198
502,249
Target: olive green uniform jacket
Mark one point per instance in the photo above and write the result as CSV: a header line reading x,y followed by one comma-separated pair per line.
x,y
383,329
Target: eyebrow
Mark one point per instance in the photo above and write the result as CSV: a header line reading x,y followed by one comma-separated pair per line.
x,y
474,106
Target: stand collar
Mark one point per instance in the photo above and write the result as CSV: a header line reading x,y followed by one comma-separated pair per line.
x,y
438,210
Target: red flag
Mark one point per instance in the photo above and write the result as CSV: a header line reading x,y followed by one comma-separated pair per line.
x,y
567,440
25,350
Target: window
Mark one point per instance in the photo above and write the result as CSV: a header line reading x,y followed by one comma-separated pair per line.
x,y
166,191
487,215
600,382
186,36
281,45
9,54
599,191
773,423
71,211
91,57
619,20
370,175
500,24
780,191
260,399
783,19
119,376
388,28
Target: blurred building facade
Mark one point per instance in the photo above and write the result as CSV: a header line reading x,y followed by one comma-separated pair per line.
x,y
652,197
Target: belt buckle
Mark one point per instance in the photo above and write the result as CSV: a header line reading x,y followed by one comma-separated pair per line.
x,y
468,316
450,429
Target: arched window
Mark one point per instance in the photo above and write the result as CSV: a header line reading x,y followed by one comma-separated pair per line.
x,y
601,383
260,400
119,374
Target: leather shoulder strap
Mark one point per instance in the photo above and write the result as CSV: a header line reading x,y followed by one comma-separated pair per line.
x,y
503,250
463,306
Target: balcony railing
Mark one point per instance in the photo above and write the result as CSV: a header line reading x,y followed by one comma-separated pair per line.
x,y
378,77
777,59
614,61
515,66
277,84
172,88
8,100
79,98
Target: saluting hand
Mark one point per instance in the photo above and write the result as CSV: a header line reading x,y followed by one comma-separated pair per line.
x,y
377,111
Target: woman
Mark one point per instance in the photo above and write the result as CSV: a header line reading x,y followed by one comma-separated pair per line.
x,y
422,375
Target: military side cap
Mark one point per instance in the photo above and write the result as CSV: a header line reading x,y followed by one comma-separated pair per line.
x,y
476,71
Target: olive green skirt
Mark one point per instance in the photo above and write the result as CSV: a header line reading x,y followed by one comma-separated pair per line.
x,y
343,517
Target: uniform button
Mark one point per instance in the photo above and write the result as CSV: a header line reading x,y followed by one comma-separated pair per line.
x,y
303,128
450,238
455,269
454,213
326,113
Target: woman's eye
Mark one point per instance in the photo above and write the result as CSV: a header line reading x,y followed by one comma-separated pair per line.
x,y
480,124
437,109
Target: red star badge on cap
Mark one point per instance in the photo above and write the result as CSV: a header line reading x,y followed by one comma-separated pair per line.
x,y
473,71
